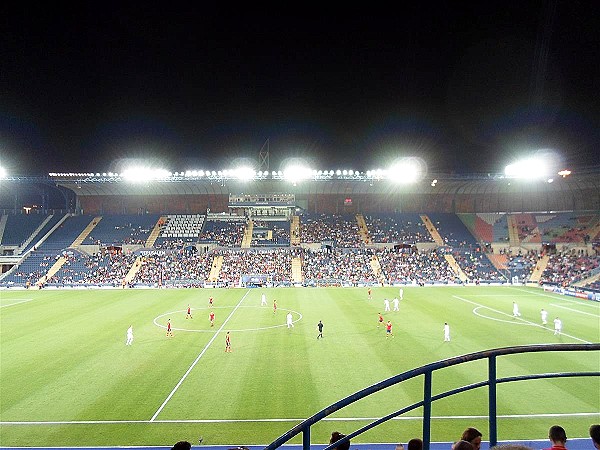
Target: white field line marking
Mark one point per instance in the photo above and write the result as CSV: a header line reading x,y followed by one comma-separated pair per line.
x,y
328,419
575,310
16,303
155,321
198,357
517,318
564,298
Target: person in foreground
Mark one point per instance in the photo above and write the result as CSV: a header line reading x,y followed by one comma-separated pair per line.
x,y
558,438
595,435
472,435
336,436
182,445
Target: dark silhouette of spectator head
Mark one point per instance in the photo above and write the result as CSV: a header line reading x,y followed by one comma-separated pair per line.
x,y
511,447
415,444
595,435
462,445
336,436
557,435
472,435
182,445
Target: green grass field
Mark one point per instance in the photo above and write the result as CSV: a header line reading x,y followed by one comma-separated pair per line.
x,y
67,378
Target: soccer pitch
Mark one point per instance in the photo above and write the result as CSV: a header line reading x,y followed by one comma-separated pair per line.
x,y
68,379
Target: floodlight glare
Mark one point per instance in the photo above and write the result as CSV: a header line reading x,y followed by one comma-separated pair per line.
x,y
527,168
140,174
2,172
297,173
407,170
244,173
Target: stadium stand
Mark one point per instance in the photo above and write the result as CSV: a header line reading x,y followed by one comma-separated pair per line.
x,y
397,228
340,230
125,229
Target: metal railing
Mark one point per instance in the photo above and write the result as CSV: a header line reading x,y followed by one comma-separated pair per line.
x,y
427,371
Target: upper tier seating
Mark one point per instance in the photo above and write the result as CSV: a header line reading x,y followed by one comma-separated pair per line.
x,y
453,231
19,227
397,228
223,233
279,230
122,229
342,230
182,226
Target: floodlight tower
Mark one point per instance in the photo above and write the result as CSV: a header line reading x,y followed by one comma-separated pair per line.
x,y
263,157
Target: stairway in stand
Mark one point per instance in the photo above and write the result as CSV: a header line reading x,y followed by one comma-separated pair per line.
x,y
456,268
363,230
541,265
513,231
297,270
215,269
133,270
247,239
295,231
432,230
376,268
155,233
86,231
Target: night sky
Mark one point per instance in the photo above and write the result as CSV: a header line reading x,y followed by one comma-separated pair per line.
x,y
466,85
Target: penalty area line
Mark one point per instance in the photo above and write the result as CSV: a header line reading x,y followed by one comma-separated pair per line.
x,y
522,321
198,358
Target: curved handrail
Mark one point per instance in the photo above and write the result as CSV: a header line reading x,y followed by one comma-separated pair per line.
x,y
427,370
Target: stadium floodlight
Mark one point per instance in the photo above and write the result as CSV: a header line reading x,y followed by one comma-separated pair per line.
x,y
540,165
295,173
244,173
141,174
406,170
2,172
531,168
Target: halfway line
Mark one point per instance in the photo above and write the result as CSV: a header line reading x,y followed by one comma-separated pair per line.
x,y
198,358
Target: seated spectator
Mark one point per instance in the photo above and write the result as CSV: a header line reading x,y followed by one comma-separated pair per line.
x,y
415,444
336,436
182,445
595,435
558,438
472,435
511,447
462,445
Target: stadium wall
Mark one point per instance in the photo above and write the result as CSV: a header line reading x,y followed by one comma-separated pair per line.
x,y
335,203
449,194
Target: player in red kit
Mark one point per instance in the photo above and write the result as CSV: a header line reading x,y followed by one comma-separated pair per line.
x,y
211,317
189,313
388,329
274,306
227,343
169,332
379,320
210,301
369,291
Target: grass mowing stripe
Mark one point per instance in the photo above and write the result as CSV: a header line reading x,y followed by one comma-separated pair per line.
x,y
575,310
296,420
198,357
522,320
